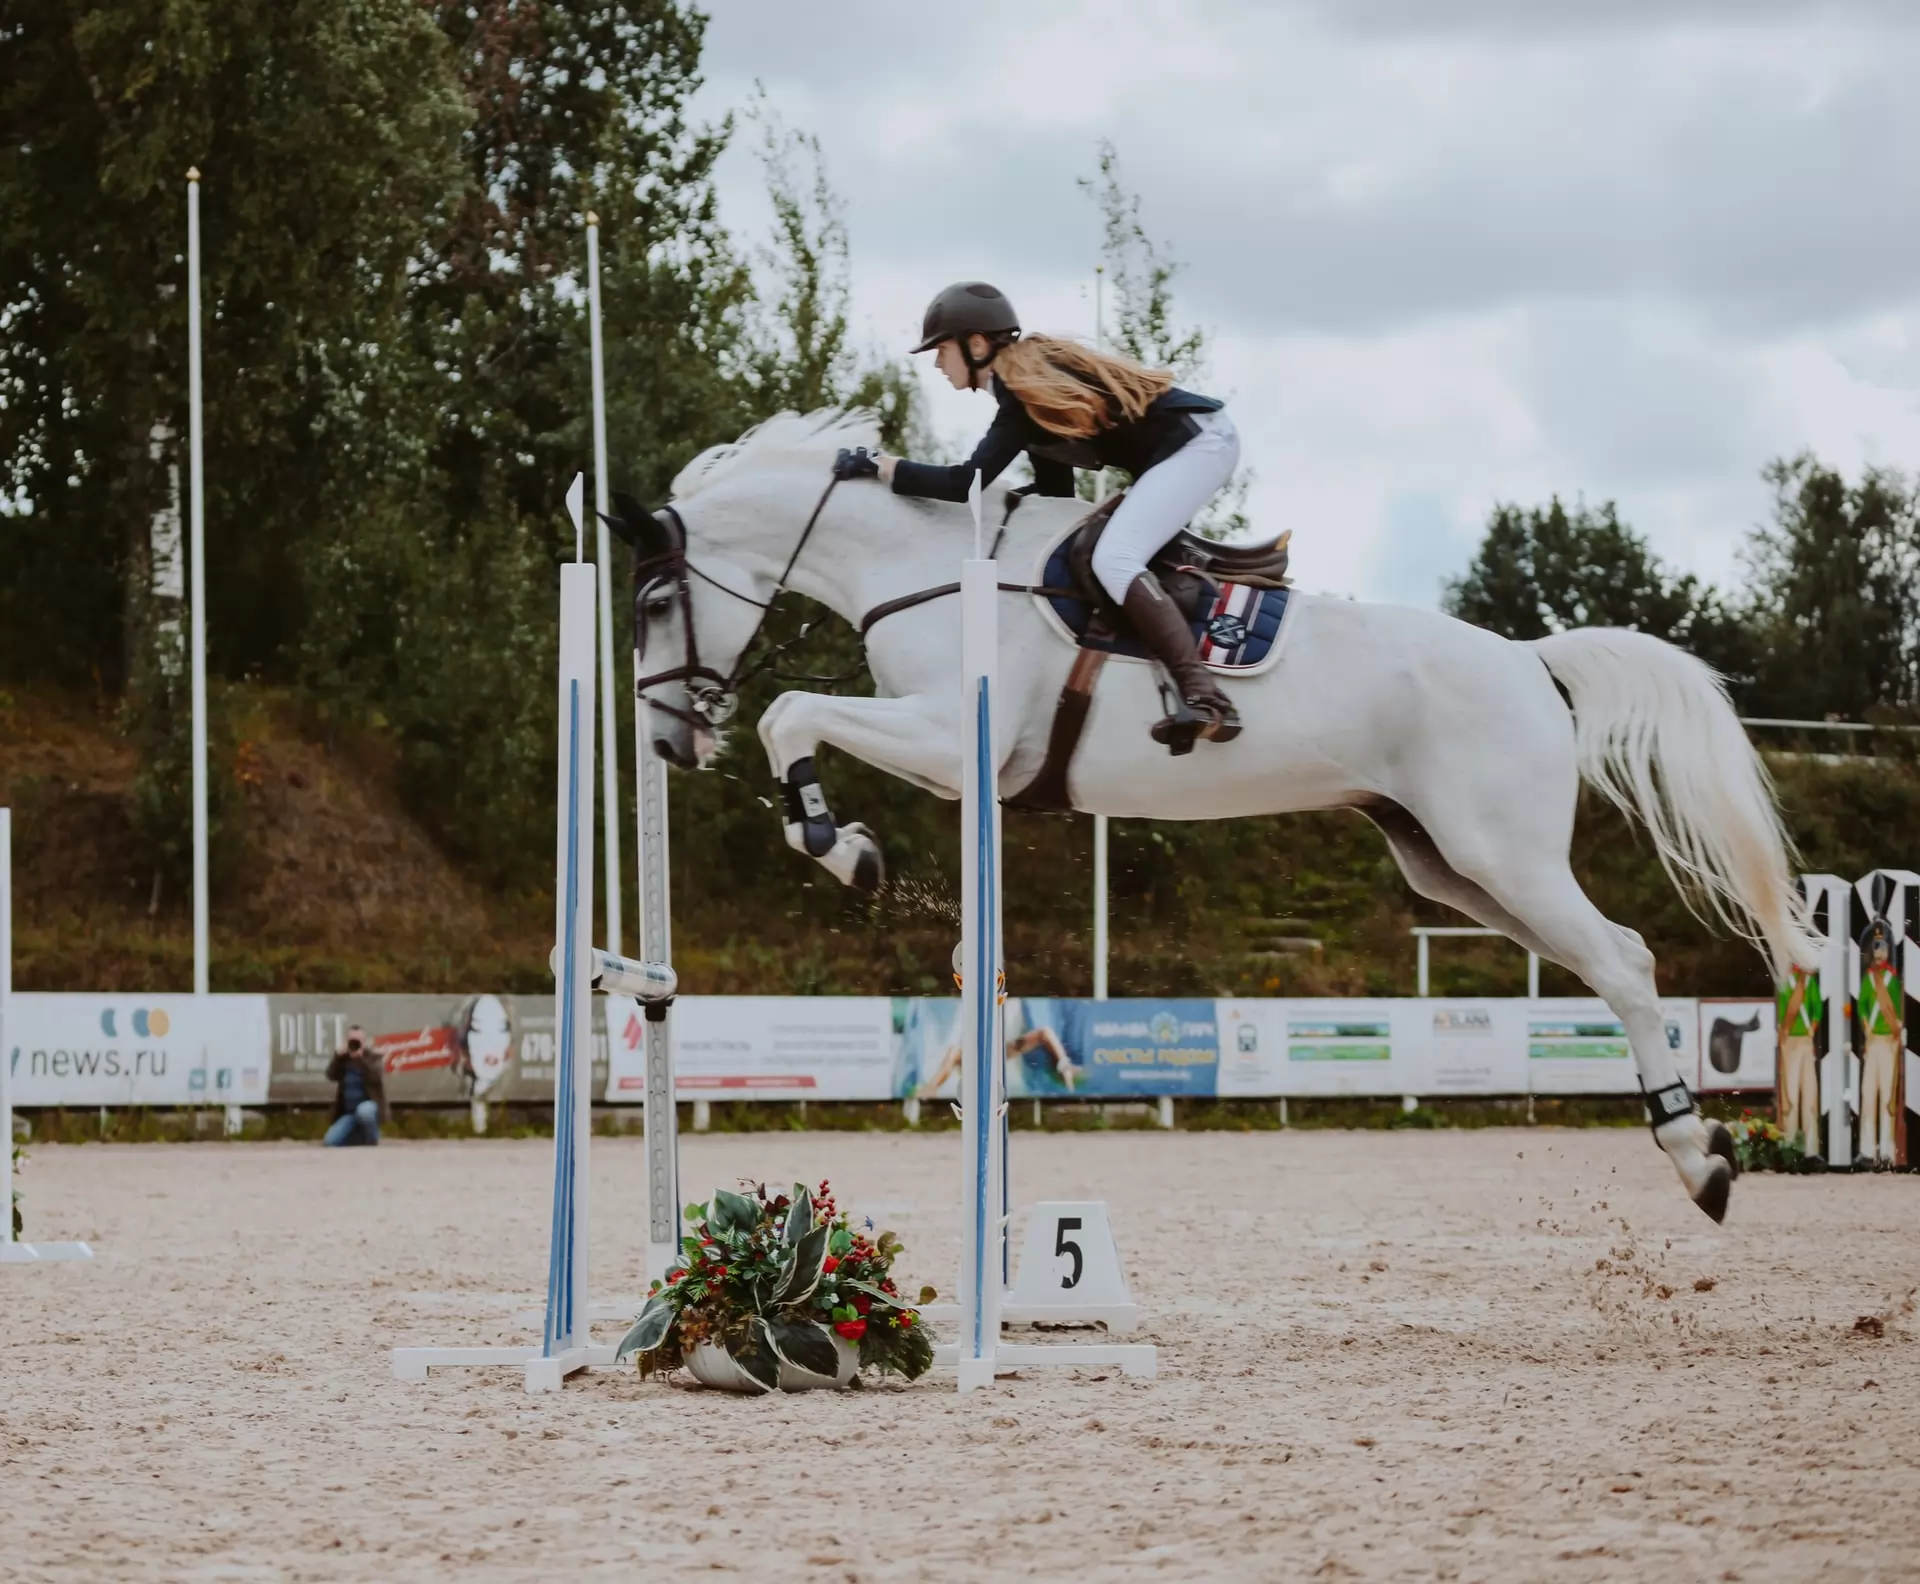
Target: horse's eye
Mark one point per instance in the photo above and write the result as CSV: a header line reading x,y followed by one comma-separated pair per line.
x,y
658,604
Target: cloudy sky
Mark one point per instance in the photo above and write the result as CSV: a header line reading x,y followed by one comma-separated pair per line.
x,y
1451,252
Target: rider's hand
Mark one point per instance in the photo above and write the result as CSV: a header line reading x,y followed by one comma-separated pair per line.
x,y
855,464
887,465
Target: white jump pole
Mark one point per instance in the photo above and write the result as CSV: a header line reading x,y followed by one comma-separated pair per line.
x,y
1100,905
12,1253
566,1345
656,945
603,554
979,1353
982,1071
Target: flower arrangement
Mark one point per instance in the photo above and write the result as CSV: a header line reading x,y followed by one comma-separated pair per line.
x,y
774,1281
1761,1146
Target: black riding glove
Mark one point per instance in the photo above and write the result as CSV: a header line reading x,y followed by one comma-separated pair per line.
x,y
856,464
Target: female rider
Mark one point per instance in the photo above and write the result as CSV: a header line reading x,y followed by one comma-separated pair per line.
x,y
1069,406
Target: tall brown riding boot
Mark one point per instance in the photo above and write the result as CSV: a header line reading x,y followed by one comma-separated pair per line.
x,y
1201,709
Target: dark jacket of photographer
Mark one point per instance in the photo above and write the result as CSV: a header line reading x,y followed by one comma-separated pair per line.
x,y
370,1067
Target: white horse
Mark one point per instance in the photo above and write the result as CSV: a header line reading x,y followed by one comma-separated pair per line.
x,y
1465,748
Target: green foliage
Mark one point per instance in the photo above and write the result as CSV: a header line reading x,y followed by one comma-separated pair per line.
x,y
1141,321
1835,595
1827,625
771,1280
1761,1146
1546,570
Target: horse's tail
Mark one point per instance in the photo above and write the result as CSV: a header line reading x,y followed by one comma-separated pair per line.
x,y
1656,733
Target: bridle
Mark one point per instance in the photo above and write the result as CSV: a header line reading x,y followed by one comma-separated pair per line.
x,y
714,695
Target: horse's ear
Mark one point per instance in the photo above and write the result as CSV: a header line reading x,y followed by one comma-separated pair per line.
x,y
628,519
640,530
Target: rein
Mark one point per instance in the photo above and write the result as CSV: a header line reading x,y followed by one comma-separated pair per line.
x,y
717,695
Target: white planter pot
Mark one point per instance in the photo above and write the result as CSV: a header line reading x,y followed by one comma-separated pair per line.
x,y
711,1365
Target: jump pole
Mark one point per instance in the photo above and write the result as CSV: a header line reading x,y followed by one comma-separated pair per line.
x,y
566,1344
12,1253
656,945
980,1355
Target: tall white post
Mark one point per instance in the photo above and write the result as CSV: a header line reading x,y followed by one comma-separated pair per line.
x,y
1100,905
656,945
603,553
566,1331
197,574
982,1071
6,1027
12,1253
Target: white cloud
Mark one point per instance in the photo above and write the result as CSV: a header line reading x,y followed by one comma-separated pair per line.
x,y
1450,254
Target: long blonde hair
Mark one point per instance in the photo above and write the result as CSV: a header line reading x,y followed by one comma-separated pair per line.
x,y
1072,390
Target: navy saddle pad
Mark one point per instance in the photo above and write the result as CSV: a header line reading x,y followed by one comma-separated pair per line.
x,y
1236,628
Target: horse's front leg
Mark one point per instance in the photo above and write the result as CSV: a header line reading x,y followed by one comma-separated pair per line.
x,y
907,737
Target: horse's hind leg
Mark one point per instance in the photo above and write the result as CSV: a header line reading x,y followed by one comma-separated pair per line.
x,y
1520,884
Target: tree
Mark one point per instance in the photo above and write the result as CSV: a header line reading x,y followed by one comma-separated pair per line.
x,y
1142,324
1834,593
1546,569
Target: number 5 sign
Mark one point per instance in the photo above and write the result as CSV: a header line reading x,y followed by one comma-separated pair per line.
x,y
1070,1272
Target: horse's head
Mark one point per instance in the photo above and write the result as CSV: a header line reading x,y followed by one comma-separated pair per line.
x,y
689,631
708,564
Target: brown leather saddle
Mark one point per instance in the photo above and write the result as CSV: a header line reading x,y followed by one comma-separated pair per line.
x,y
1187,565
1189,568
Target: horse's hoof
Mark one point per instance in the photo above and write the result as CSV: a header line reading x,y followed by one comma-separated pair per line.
x,y
869,864
1713,1197
1720,1142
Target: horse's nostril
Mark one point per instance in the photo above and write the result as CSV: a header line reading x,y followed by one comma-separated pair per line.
x,y
673,753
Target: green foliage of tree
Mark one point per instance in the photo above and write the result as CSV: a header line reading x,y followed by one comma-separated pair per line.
x,y
1142,322
1827,624
1835,595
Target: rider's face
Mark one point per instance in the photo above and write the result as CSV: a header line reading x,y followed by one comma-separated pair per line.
x,y
947,358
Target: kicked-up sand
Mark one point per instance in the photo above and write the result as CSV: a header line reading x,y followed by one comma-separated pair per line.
x,y
1477,1355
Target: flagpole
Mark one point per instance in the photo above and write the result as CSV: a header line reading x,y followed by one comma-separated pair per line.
x,y
603,553
1100,820
197,564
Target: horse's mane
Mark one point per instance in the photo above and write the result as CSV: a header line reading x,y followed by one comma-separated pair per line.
x,y
816,434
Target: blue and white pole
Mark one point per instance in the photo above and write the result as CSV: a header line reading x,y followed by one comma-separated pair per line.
x,y
566,1329
982,1074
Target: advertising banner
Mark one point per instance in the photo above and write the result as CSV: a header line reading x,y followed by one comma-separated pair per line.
x,y
138,1050
1578,1047
1737,1045
1474,1047
1057,1047
1309,1048
765,1047
1334,1047
438,1050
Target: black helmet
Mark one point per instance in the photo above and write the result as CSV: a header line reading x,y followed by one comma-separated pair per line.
x,y
967,308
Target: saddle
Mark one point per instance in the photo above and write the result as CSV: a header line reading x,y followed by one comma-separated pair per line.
x,y
1221,590
1189,568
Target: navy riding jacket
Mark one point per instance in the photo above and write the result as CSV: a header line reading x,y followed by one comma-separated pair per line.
x,y
1133,445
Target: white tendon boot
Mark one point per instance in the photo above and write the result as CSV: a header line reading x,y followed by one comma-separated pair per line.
x,y
1702,1152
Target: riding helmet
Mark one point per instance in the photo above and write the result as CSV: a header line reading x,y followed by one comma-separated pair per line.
x,y
967,308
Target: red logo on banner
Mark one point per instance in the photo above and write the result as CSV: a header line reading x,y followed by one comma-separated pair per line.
x,y
421,1049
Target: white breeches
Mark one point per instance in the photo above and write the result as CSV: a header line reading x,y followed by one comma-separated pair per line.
x,y
1163,500
1800,1092
1879,1072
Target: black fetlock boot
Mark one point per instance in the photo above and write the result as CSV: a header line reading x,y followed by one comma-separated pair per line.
x,y
1200,708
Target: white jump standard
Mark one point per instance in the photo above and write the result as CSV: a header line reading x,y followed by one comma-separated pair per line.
x,y
12,1253
980,1353
566,1344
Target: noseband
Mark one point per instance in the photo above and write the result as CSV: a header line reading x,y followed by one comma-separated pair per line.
x,y
714,695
